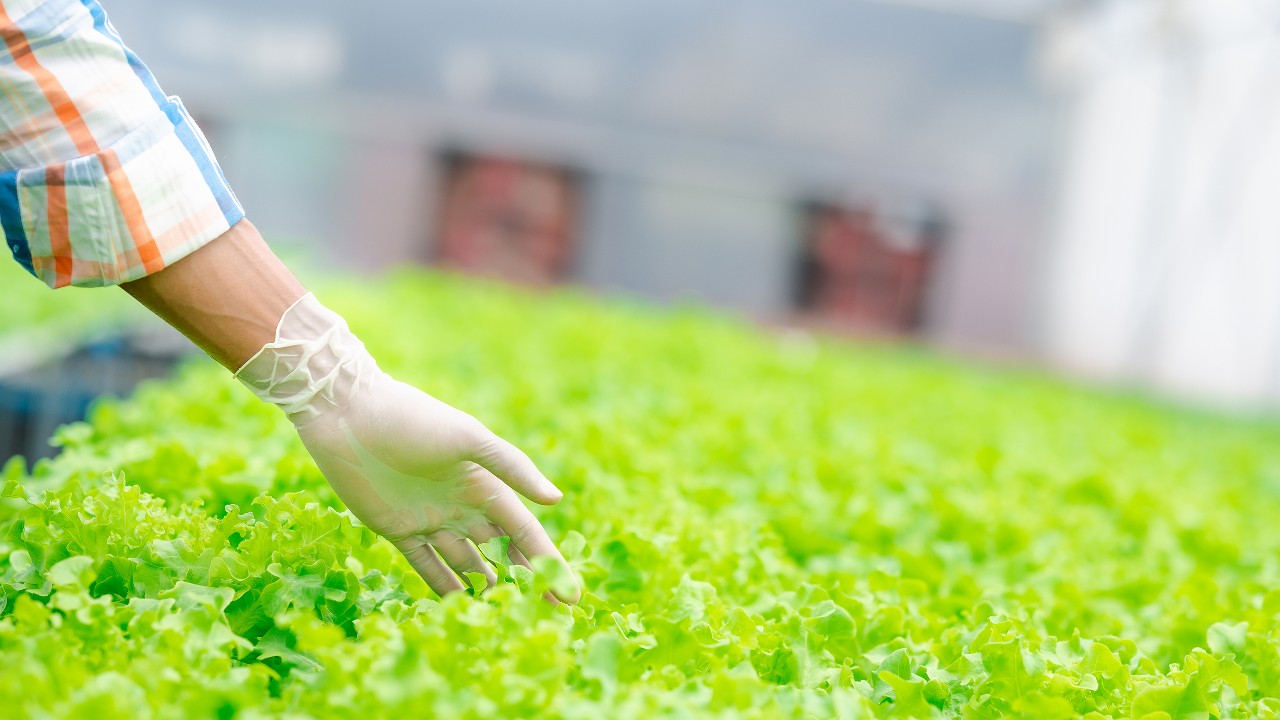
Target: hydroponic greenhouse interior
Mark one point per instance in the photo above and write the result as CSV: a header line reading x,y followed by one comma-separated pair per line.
x,y
764,525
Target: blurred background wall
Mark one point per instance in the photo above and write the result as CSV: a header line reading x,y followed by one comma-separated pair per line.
x,y
1083,183
1165,265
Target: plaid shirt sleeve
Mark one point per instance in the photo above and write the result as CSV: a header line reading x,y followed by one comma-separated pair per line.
x,y
103,178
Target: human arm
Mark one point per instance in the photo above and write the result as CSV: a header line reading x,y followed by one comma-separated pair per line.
x,y
429,477
227,296
106,180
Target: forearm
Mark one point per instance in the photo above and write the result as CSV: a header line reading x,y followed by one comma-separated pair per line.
x,y
428,476
227,297
431,478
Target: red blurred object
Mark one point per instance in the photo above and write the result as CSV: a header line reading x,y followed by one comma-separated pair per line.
x,y
509,219
865,271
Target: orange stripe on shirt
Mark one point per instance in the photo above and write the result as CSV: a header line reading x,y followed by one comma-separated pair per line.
x,y
59,225
194,222
148,251
25,58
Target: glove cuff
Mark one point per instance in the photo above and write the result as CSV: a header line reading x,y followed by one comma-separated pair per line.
x,y
314,364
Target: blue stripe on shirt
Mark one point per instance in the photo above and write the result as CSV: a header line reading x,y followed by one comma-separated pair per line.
x,y
183,125
11,219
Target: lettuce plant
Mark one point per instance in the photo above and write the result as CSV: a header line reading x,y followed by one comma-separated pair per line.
x,y
766,526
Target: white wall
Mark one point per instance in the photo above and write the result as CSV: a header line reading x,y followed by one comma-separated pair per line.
x,y
700,126
1165,268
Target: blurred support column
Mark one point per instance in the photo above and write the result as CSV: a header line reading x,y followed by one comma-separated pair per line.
x,y
1166,261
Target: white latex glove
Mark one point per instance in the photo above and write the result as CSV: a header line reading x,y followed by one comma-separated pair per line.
x,y
428,477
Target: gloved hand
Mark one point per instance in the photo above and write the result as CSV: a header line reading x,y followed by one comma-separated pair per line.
x,y
428,477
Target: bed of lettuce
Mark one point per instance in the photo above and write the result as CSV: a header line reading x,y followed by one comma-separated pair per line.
x,y
766,526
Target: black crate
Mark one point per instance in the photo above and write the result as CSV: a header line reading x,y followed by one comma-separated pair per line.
x,y
39,396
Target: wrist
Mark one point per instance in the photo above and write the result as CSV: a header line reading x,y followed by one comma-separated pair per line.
x,y
314,364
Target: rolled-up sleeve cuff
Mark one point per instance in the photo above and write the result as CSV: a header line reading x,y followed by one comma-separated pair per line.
x,y
124,212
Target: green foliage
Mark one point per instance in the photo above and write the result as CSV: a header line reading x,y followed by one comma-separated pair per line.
x,y
766,527
31,309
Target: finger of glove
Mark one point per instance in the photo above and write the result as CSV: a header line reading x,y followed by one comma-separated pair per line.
x,y
484,533
514,468
423,558
527,534
462,556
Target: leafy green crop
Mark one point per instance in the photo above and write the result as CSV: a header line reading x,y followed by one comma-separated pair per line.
x,y
29,305
766,526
